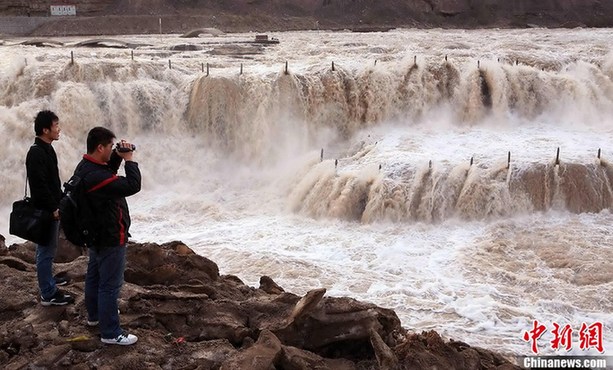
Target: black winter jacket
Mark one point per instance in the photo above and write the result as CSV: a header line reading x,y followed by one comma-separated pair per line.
x,y
43,176
106,194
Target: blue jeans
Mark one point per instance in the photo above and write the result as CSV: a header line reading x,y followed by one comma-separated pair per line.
x,y
44,263
103,283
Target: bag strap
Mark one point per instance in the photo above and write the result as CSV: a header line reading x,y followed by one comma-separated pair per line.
x,y
25,190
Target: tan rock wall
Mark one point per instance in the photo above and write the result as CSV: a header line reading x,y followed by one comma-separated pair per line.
x,y
345,13
42,7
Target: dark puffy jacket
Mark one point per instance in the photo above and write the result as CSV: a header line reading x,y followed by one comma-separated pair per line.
x,y
43,176
106,193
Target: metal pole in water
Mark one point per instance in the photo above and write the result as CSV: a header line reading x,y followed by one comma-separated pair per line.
x,y
509,160
241,68
132,53
332,66
71,57
415,60
169,64
207,69
286,72
471,161
202,67
558,157
335,163
321,156
598,153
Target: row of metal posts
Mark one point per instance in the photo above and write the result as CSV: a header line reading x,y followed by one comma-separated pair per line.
x,y
557,162
286,71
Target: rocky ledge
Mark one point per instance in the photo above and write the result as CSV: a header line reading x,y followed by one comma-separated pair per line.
x,y
188,316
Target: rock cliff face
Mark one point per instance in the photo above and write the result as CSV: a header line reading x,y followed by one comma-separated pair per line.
x,y
42,7
352,13
188,316
473,13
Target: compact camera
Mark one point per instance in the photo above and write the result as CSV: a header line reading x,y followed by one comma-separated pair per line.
x,y
121,149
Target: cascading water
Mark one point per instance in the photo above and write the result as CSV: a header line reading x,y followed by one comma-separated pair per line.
x,y
413,206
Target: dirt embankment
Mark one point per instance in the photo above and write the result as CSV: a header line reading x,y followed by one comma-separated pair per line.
x,y
96,17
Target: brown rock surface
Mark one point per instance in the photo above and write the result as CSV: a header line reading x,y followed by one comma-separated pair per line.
x,y
187,316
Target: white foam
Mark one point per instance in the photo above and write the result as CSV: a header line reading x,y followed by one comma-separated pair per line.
x,y
482,282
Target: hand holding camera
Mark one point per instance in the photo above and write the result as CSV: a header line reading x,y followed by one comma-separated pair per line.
x,y
125,150
123,147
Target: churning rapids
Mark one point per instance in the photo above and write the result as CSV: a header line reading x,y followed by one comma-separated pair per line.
x,y
415,205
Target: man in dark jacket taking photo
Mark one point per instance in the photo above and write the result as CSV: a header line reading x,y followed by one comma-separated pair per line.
x,y
105,194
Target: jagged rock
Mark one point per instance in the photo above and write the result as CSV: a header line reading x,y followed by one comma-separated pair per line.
x,y
261,356
25,251
51,355
154,264
193,317
17,340
16,280
3,251
63,328
385,357
293,358
182,249
19,363
306,304
66,251
197,319
428,350
340,323
16,264
269,286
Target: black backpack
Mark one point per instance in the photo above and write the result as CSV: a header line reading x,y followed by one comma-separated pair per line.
x,y
76,217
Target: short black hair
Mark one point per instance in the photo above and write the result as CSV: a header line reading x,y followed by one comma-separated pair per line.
x,y
44,119
98,135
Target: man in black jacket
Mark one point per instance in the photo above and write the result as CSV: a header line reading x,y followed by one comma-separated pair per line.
x,y
105,195
44,179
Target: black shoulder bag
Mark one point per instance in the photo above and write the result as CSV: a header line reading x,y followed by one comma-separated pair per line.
x,y
29,222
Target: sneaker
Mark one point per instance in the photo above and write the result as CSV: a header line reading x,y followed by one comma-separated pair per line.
x,y
60,298
61,281
123,339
